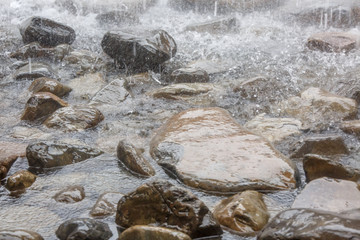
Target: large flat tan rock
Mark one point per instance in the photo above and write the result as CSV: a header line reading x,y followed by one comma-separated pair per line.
x,y
207,149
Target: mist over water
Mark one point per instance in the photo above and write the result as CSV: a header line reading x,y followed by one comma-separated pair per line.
x,y
268,43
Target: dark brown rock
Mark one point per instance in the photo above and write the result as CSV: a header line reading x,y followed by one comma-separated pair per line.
x,y
165,205
316,166
326,145
142,232
332,42
49,85
9,152
189,75
34,50
71,194
139,53
35,70
309,224
20,180
207,149
55,154
74,118
132,158
245,212
83,229
106,204
329,194
40,105
47,32
19,234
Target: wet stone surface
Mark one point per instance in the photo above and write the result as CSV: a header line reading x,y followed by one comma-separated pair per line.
x,y
141,232
19,234
71,194
194,143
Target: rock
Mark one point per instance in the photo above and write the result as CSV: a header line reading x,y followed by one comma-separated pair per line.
x,y
47,32
112,94
40,105
215,26
349,85
35,50
223,6
309,224
132,158
117,17
326,145
141,232
329,195
189,75
332,42
48,154
106,204
139,53
207,149
316,107
35,70
166,205
20,180
84,61
82,229
245,212
85,87
336,14
27,133
351,127
49,85
19,234
211,67
316,166
274,129
71,194
74,118
9,152
182,91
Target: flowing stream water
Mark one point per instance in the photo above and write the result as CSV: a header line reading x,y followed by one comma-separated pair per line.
x,y
267,43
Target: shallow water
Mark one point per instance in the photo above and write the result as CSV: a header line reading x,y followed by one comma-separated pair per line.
x,y
265,43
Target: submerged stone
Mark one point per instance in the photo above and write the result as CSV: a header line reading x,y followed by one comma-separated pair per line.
x,y
316,166
215,26
332,42
112,94
35,70
117,17
182,91
19,234
274,129
106,204
84,61
351,127
310,224
166,205
329,194
326,145
85,87
132,158
245,212
317,108
189,75
74,118
47,32
139,53
54,154
207,149
83,229
35,50
40,105
142,232
49,85
71,194
20,180
9,152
